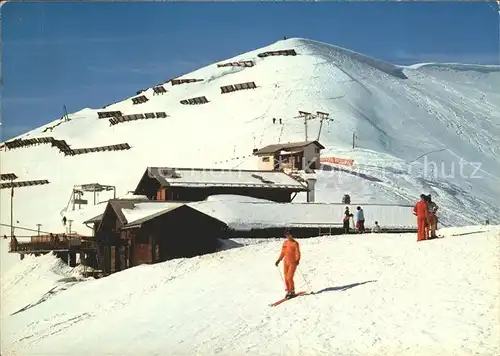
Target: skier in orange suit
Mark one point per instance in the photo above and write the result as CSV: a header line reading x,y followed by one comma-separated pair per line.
x,y
290,251
422,213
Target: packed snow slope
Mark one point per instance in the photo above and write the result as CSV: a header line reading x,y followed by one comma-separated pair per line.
x,y
376,294
432,128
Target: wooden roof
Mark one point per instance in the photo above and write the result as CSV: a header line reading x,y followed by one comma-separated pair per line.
x,y
287,146
139,222
219,178
95,219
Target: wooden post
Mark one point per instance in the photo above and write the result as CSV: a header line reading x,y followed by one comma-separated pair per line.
x,y
305,126
12,213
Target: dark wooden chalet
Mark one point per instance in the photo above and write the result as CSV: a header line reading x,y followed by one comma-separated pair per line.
x,y
110,247
171,230
197,184
179,231
292,155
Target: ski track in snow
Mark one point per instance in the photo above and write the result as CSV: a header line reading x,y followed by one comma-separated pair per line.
x,y
376,294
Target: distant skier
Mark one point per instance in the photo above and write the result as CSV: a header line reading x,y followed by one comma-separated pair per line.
x,y
422,213
376,228
290,251
360,220
433,220
347,218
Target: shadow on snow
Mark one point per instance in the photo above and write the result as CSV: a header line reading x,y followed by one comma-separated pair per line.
x,y
342,288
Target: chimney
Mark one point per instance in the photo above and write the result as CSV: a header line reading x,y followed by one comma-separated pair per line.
x,y
311,182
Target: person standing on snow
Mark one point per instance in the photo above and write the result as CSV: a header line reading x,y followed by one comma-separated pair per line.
x,y
422,213
290,251
360,220
432,207
347,217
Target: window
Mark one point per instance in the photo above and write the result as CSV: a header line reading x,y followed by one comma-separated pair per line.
x,y
317,150
265,159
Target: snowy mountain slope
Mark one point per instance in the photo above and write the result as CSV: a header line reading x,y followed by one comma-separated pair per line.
x,y
376,295
401,115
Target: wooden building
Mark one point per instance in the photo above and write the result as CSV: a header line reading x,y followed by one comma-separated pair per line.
x,y
196,184
162,231
111,248
178,231
291,156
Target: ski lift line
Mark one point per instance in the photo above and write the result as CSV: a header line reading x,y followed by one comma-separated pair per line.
x,y
26,228
68,204
281,133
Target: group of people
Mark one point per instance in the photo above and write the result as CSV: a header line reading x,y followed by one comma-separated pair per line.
x,y
426,212
359,216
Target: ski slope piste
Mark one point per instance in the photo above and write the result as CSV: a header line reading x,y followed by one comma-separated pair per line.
x,y
428,128
375,294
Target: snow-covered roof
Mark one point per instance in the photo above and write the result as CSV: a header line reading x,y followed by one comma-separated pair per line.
x,y
251,215
200,177
143,212
246,214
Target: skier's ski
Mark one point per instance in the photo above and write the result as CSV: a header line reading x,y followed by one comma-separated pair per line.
x,y
433,238
285,299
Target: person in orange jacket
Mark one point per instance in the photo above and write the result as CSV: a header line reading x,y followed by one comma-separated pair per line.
x,y
422,213
290,251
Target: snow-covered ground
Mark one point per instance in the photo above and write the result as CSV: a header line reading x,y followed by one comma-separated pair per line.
x,y
376,294
422,128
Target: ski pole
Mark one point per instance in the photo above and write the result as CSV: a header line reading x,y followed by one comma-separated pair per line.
x,y
305,280
279,271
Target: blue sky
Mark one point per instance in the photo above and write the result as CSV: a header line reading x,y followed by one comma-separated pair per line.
x,y
91,54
